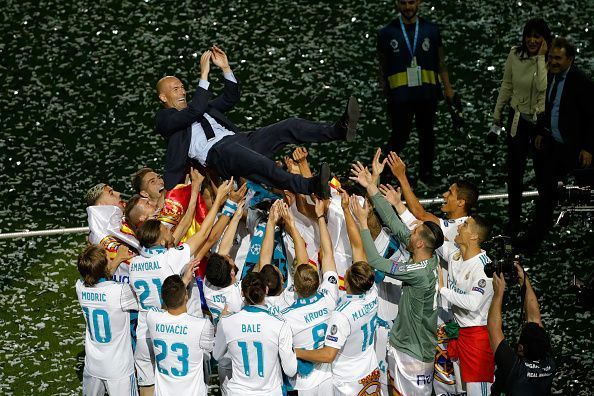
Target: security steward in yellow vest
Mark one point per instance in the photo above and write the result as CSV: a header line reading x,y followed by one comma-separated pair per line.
x,y
411,59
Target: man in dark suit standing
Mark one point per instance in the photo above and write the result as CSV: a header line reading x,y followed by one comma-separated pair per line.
x,y
199,130
566,141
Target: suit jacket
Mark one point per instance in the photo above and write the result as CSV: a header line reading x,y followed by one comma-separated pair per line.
x,y
576,112
176,127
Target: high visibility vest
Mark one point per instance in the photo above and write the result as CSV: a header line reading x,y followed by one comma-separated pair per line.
x,y
393,48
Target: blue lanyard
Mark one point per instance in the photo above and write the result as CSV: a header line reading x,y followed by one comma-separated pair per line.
x,y
412,49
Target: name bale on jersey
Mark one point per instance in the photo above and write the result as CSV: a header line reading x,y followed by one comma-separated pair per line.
x,y
250,328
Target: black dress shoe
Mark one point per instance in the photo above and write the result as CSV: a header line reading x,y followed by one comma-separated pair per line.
x,y
347,123
321,180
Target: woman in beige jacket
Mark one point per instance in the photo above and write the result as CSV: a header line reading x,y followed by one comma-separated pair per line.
x,y
523,87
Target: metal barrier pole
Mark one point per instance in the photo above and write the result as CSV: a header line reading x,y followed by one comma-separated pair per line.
x,y
80,230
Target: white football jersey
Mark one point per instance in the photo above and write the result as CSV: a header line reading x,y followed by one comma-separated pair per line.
x,y
108,343
147,274
468,289
389,290
351,330
308,318
258,344
284,300
217,297
179,343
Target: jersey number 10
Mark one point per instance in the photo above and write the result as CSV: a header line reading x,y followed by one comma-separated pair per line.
x,y
93,318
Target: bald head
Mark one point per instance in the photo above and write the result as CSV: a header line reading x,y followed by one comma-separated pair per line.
x,y
172,93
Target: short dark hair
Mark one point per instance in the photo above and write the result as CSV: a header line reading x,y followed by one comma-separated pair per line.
x,y
254,288
537,25
173,292
535,341
148,233
273,279
218,270
483,227
431,235
306,280
92,264
562,42
130,206
360,277
137,179
468,192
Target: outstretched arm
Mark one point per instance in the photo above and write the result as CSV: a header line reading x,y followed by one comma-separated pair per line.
x,y
268,243
352,229
182,227
328,263
231,93
197,240
323,355
494,321
531,306
300,157
301,256
412,202
389,217
231,230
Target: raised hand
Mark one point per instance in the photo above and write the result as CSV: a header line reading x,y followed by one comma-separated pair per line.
x,y
300,154
377,165
396,165
286,215
197,178
224,190
344,199
320,206
239,194
274,212
361,174
291,165
205,64
392,195
191,268
219,58
359,211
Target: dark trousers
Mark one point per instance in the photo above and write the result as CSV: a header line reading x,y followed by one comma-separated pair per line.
x,y
551,164
518,148
401,117
250,154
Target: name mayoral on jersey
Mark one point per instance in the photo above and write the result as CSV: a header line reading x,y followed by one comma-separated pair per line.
x,y
365,310
314,315
145,266
171,329
92,296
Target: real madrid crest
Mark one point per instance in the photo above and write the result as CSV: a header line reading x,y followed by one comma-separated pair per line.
x,y
426,44
394,45
457,255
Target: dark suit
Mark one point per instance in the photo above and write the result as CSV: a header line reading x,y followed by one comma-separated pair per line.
x,y
246,155
556,160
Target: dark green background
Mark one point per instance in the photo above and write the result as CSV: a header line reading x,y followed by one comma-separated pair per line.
x,y
77,103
